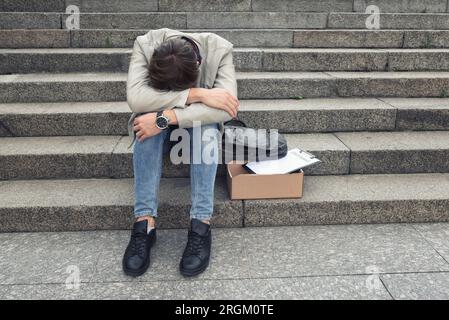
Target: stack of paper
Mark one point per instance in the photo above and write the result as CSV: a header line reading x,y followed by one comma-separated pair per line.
x,y
295,160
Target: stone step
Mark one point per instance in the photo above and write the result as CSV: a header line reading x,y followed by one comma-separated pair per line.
x,y
325,38
223,20
245,59
77,87
436,21
111,156
93,204
229,5
294,116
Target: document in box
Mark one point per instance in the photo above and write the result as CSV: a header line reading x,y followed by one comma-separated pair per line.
x,y
294,160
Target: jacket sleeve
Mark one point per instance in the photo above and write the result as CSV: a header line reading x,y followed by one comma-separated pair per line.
x,y
200,112
140,95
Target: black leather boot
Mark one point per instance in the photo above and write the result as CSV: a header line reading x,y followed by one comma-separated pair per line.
x,y
197,252
137,255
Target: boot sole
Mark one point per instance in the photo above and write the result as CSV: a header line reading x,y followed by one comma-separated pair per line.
x,y
192,273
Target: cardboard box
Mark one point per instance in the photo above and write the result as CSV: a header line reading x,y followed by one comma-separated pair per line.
x,y
244,185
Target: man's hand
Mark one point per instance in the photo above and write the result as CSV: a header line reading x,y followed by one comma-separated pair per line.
x,y
217,98
145,126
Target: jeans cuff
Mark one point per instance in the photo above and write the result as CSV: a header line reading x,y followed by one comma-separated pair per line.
x,y
143,214
201,216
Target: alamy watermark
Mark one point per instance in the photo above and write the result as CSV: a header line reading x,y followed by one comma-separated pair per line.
x,y
73,281
72,22
372,22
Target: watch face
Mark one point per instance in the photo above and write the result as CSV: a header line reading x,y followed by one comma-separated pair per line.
x,y
161,122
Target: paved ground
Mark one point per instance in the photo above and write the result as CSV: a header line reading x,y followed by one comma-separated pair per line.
x,y
397,261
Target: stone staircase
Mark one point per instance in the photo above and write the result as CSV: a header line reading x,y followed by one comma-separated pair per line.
x,y
372,104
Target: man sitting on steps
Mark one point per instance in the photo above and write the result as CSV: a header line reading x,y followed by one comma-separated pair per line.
x,y
176,79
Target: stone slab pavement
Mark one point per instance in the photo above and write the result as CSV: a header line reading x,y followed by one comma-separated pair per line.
x,y
394,261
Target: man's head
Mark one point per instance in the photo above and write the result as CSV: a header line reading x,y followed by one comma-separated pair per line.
x,y
174,65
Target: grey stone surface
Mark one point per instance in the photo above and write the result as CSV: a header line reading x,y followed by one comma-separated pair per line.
x,y
436,21
95,204
306,116
204,5
64,60
57,157
357,199
104,38
392,84
114,5
48,257
418,286
421,114
279,85
324,60
256,20
156,290
111,156
418,60
319,115
245,59
239,37
63,119
63,87
75,87
426,39
420,6
437,235
397,152
34,38
302,5
130,20
30,20
248,59
315,262
257,37
33,5
349,249
333,288
296,288
347,38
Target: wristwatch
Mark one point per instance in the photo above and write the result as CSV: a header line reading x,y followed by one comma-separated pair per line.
x,y
162,121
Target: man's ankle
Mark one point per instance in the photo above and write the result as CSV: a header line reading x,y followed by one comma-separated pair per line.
x,y
150,219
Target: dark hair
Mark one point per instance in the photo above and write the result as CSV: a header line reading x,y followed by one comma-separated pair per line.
x,y
173,66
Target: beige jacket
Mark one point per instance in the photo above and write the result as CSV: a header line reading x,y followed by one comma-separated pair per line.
x,y
216,71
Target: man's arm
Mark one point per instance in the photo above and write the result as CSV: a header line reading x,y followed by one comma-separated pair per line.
x,y
141,96
200,111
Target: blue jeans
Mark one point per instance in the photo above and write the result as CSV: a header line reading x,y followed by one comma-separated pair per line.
x,y
147,160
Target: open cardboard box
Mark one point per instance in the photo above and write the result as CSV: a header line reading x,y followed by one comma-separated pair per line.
x,y
244,185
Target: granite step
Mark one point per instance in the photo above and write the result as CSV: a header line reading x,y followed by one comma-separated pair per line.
x,y
341,153
111,156
223,20
229,5
294,116
78,87
245,59
173,20
94,204
255,38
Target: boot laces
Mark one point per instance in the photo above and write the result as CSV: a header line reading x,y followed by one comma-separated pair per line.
x,y
138,243
194,244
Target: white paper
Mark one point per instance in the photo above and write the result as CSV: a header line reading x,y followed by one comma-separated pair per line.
x,y
294,160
